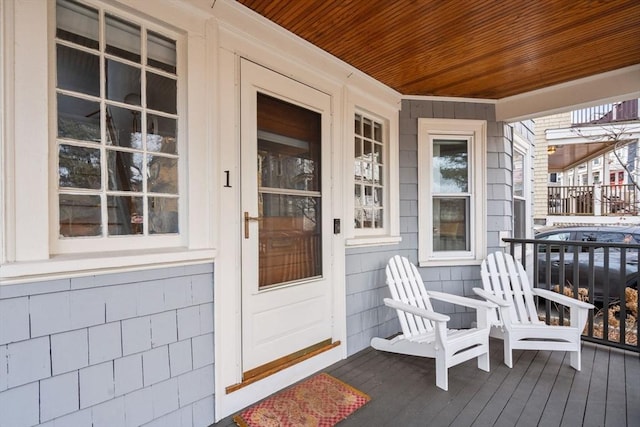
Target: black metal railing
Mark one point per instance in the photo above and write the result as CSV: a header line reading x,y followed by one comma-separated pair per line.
x,y
576,200
604,274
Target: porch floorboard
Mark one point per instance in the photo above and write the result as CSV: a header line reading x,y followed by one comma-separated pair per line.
x,y
541,390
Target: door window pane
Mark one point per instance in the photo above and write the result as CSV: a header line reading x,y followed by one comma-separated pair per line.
x,y
289,197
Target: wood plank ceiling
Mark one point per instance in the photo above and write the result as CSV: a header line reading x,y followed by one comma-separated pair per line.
x,y
474,49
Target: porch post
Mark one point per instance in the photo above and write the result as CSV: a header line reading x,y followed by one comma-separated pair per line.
x,y
597,199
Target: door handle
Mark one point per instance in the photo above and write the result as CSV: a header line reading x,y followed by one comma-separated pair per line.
x,y
247,219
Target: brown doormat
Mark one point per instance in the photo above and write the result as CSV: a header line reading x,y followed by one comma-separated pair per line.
x,y
320,401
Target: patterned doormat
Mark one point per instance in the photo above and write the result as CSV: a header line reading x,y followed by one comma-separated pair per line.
x,y
320,401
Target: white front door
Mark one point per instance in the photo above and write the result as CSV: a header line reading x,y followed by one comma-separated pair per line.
x,y
286,234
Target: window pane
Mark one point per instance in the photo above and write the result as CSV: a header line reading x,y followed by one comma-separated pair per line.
x,y
519,222
377,153
163,175
358,125
123,127
161,93
377,218
79,167
78,71
163,213
162,134
125,171
358,148
77,23
78,119
367,128
126,215
123,38
450,224
123,82
377,132
161,52
79,215
450,166
518,174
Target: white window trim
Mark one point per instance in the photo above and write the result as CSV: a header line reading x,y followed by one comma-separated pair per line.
x,y
524,148
26,252
477,130
359,103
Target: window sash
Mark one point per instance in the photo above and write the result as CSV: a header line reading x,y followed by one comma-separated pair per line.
x,y
155,209
371,175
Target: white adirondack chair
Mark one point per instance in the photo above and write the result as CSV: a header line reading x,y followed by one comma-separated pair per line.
x,y
424,332
516,321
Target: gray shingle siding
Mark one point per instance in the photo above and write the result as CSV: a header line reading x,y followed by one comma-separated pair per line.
x,y
82,346
365,279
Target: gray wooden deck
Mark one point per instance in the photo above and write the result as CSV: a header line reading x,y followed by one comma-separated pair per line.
x,y
541,390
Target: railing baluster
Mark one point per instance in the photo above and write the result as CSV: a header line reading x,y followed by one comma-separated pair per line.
x,y
575,251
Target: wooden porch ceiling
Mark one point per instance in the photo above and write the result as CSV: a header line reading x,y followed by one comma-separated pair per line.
x,y
475,49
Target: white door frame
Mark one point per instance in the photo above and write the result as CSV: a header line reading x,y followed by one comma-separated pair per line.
x,y
227,291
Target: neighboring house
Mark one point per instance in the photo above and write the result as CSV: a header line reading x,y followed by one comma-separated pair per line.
x,y
193,199
581,177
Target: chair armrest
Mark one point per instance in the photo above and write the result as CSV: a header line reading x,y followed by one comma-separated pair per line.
x,y
561,299
431,315
460,300
491,297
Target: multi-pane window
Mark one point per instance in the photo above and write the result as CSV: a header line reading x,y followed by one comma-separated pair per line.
x,y
117,125
369,172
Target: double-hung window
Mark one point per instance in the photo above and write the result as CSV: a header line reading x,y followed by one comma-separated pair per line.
x,y
117,145
519,199
451,190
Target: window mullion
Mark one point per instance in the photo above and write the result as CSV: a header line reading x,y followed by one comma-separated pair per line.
x,y
103,128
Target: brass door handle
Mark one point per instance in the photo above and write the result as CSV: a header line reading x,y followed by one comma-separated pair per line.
x,y
248,218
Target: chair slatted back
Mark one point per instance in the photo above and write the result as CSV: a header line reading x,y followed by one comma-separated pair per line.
x,y
406,285
506,278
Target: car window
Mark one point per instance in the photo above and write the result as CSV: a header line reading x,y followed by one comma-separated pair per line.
x,y
561,236
609,237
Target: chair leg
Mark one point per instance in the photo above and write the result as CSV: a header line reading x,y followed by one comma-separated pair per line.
x,y
483,361
442,376
508,353
575,359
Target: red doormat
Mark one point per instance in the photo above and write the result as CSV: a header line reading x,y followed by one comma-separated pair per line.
x,y
320,401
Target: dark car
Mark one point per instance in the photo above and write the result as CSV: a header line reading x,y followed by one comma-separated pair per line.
x,y
609,266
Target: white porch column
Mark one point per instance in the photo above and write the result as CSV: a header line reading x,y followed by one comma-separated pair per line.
x,y
605,169
597,200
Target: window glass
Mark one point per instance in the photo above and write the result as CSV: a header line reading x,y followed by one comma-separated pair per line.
x,y
369,173
450,224
117,126
519,202
451,214
450,166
